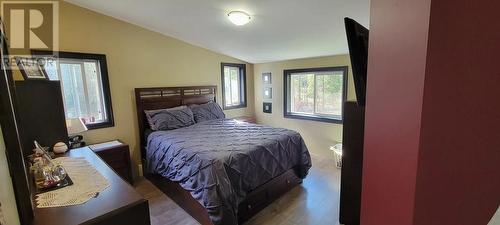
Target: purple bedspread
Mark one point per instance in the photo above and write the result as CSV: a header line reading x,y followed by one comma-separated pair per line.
x,y
220,161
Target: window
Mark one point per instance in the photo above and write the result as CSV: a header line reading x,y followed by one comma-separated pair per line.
x,y
234,89
85,86
315,94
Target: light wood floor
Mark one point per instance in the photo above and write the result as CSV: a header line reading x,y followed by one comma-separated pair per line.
x,y
315,202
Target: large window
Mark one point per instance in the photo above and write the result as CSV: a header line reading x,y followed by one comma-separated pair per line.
x,y
233,85
315,94
85,86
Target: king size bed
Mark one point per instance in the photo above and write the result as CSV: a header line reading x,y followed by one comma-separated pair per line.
x,y
219,170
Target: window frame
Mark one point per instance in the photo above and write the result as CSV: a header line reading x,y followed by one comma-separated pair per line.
x,y
243,86
103,68
286,94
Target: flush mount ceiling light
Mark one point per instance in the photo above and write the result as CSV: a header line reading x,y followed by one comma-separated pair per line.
x,y
239,18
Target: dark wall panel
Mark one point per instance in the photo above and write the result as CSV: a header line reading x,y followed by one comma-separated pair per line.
x,y
41,113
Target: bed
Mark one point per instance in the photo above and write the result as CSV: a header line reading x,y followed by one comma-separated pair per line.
x,y
219,171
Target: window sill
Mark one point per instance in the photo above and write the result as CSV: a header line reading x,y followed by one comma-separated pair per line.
x,y
234,107
313,118
100,125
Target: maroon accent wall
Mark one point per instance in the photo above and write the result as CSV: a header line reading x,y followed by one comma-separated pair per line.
x,y
432,132
458,179
396,72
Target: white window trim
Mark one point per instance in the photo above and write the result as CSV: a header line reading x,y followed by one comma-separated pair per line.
x,y
82,62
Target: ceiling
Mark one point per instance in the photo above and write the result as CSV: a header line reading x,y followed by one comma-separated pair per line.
x,y
279,30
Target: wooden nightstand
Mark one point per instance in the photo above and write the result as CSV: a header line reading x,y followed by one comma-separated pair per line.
x,y
117,155
248,119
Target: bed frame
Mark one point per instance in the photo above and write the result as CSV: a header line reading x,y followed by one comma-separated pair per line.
x,y
167,97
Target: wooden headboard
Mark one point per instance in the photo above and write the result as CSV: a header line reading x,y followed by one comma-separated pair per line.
x,y
167,97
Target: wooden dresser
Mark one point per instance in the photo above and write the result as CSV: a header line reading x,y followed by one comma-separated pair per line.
x,y
118,204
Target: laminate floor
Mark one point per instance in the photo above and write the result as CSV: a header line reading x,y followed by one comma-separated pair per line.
x,y
315,202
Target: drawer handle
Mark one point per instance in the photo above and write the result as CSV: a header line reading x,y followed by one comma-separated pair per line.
x,y
249,206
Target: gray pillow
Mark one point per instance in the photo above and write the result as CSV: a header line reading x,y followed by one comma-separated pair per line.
x,y
169,119
208,111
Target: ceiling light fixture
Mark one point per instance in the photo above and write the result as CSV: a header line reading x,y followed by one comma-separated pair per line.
x,y
239,18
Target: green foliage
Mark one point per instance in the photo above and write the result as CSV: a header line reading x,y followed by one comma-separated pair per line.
x,y
333,84
304,84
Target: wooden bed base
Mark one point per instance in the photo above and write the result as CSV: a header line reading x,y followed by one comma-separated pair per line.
x,y
168,97
256,200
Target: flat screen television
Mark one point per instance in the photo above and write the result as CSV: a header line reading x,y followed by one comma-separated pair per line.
x,y
357,38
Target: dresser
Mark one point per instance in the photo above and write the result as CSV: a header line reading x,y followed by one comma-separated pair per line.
x,y
118,204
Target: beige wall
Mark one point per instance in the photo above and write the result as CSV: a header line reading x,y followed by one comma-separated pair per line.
x,y
318,135
7,199
139,58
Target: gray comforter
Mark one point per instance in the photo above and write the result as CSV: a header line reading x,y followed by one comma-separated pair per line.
x,y
220,161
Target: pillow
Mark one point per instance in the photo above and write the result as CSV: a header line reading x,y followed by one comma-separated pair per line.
x,y
169,119
208,111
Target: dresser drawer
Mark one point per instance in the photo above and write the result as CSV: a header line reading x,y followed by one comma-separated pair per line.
x,y
261,197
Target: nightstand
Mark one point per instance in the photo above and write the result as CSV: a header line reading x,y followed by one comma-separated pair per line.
x,y
248,119
117,155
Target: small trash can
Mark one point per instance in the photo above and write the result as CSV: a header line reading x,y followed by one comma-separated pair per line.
x,y
337,151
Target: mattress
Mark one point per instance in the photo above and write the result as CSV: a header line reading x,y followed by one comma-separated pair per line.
x,y
220,161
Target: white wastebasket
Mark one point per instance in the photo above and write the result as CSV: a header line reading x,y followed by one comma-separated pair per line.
x,y
337,151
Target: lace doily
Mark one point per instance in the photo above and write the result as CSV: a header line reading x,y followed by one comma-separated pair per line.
x,y
87,183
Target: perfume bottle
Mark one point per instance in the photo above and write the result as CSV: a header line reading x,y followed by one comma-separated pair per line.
x,y
38,174
47,174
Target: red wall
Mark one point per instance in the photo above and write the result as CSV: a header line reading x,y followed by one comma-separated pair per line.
x,y
396,72
458,178
432,132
